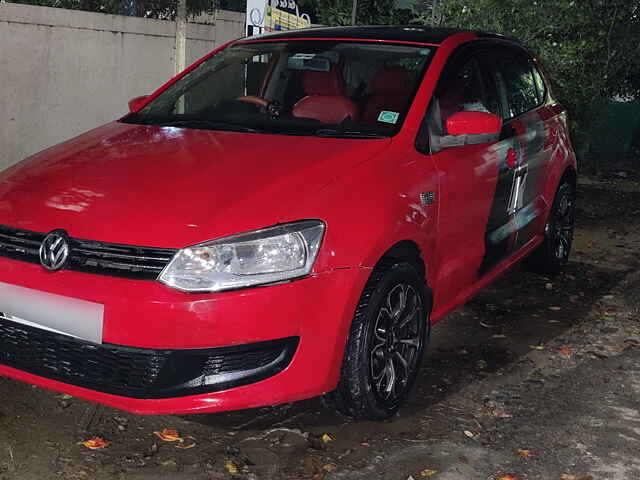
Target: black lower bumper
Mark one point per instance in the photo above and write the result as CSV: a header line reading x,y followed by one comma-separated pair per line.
x,y
140,372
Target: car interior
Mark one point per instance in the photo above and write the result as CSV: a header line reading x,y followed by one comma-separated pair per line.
x,y
293,87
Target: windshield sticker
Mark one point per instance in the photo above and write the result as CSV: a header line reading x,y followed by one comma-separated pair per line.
x,y
388,117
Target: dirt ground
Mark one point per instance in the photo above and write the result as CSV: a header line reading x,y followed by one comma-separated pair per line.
x,y
538,378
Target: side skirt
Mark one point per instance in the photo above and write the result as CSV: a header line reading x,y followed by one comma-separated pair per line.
x,y
469,292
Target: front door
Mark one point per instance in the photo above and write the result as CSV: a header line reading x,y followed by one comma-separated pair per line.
x,y
467,177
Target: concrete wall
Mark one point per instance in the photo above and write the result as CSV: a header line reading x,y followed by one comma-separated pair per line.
x,y
63,72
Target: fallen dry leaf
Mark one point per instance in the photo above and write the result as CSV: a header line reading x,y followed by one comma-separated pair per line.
x,y
182,446
428,472
500,413
469,434
508,477
631,343
526,454
555,309
326,438
536,347
488,325
330,467
566,351
168,435
231,467
96,443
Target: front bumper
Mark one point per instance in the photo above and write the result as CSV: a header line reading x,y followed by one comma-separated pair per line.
x,y
166,351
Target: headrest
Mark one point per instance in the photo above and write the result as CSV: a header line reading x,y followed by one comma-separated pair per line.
x,y
391,81
323,83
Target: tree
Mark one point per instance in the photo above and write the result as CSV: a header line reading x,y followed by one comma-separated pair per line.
x,y
592,47
160,9
369,12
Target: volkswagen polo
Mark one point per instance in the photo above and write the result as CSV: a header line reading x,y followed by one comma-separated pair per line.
x,y
286,218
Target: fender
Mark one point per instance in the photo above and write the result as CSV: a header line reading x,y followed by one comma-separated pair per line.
x,y
563,158
394,212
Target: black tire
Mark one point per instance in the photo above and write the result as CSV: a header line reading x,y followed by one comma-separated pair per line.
x,y
553,254
374,381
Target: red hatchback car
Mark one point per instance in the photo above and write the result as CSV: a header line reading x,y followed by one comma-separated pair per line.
x,y
286,218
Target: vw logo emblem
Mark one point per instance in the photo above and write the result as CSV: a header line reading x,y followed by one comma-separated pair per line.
x,y
54,250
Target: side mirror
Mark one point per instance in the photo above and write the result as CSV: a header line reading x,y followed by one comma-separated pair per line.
x,y
474,123
136,103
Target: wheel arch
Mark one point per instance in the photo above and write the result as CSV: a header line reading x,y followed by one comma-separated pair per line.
x,y
570,175
407,251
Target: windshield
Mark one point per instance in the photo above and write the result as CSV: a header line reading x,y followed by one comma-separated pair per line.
x,y
323,88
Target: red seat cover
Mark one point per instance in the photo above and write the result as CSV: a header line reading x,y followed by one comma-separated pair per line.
x,y
325,100
390,91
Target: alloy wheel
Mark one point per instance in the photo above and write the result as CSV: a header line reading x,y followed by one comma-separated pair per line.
x,y
560,231
396,342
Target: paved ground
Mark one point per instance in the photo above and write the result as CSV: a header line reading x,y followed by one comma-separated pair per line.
x,y
537,378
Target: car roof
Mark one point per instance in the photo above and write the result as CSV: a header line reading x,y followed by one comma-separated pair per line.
x,y
400,33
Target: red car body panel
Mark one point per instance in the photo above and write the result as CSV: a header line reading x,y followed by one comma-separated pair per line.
x,y
172,187
109,182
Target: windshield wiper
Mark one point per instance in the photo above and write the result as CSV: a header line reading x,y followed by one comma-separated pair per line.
x,y
209,125
333,132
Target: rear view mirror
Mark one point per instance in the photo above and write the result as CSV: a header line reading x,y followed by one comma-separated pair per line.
x,y
473,123
136,103
470,128
303,61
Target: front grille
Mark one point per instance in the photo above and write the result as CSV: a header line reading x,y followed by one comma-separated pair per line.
x,y
140,372
89,256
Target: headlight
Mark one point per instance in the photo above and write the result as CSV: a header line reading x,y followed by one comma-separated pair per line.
x,y
263,256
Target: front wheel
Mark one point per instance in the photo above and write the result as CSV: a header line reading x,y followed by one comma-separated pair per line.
x,y
553,254
386,343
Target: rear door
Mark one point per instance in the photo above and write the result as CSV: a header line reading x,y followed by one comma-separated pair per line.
x,y
518,205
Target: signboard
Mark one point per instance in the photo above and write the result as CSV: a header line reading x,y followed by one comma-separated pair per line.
x,y
274,16
255,17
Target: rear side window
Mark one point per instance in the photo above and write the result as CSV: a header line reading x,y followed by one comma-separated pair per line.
x,y
542,88
520,86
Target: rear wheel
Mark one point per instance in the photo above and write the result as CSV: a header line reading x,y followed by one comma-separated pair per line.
x,y
386,343
553,254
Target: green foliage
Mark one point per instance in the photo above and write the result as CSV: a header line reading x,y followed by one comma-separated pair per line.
x,y
591,47
369,12
426,12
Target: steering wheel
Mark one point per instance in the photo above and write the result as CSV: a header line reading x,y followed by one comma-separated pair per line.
x,y
253,99
274,109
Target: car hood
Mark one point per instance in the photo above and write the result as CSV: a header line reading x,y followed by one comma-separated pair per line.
x,y
171,187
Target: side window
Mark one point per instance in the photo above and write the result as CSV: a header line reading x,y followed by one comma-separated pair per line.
x,y
467,84
540,85
519,84
462,89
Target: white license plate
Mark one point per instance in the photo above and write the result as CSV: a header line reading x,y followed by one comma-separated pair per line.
x,y
55,313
